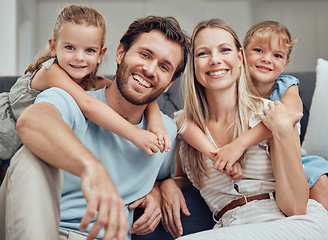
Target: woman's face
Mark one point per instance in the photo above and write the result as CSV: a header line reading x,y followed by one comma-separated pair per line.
x,y
216,58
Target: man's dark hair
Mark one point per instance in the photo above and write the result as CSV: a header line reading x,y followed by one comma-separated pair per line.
x,y
167,25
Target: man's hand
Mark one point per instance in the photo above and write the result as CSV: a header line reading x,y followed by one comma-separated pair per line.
x,y
173,201
152,214
104,200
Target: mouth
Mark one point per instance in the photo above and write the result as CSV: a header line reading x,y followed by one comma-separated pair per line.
x,y
263,68
76,66
217,72
141,81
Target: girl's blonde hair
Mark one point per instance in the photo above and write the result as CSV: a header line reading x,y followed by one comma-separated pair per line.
x,y
195,103
79,15
266,30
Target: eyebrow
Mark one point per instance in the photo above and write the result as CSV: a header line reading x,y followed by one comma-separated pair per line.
x,y
152,52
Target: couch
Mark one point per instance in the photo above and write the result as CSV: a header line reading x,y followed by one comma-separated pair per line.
x,y
171,101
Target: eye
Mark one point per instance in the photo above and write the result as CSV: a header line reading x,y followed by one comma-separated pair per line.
x,y
257,50
90,50
144,55
69,47
164,67
201,54
226,50
278,56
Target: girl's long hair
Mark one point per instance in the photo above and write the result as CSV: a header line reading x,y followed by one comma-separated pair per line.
x,y
79,15
195,103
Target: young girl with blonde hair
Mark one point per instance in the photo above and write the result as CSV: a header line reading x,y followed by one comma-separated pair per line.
x,y
268,46
70,63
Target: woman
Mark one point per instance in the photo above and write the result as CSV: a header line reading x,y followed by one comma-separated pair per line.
x,y
222,100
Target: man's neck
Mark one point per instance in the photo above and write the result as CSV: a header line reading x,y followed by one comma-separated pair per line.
x,y
119,104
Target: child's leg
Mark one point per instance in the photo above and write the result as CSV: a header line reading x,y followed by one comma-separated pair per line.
x,y
319,191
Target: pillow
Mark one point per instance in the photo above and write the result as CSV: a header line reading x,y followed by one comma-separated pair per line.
x,y
316,136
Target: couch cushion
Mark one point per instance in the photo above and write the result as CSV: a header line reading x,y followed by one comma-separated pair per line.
x,y
316,137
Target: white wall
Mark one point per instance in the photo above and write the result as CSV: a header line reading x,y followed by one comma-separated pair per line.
x,y
305,19
8,50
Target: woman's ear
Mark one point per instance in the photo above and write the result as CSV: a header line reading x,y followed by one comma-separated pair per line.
x,y
241,56
52,46
120,52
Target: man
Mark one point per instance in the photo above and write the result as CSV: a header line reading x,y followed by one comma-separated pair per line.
x,y
103,178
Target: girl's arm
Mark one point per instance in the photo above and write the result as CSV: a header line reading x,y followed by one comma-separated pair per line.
x,y
230,153
196,138
155,125
292,100
94,109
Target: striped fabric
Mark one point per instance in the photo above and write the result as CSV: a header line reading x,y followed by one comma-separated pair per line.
x,y
257,219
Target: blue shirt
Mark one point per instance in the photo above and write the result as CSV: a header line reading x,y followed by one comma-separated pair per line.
x,y
132,170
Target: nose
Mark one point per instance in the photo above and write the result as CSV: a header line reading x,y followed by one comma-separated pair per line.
x,y
215,59
79,56
266,58
150,68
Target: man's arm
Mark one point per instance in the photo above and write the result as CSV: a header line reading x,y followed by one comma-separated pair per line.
x,y
42,129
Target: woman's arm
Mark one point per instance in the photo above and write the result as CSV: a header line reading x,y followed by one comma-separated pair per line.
x,y
292,189
94,109
155,125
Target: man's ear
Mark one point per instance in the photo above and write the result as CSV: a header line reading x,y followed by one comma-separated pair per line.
x,y
52,46
120,52
167,88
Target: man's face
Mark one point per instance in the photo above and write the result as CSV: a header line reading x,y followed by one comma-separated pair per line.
x,y
146,69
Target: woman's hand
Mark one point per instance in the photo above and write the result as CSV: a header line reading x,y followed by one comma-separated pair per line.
x,y
172,201
278,116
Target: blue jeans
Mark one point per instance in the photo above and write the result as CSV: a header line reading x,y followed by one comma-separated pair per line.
x,y
199,220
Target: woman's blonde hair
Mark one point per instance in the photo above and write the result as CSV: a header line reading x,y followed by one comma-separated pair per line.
x,y
195,103
266,30
78,15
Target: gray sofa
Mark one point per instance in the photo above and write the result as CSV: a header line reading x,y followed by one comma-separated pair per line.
x,y
171,101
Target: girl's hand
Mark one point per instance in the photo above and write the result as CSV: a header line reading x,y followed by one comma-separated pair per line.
x,y
163,138
237,172
227,156
146,141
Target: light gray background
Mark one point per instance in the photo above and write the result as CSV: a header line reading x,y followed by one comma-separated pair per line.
x,y
26,25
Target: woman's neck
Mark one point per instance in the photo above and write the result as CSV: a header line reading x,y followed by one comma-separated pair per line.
x,y
221,106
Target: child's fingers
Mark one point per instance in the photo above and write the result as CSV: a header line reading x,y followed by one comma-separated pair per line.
x,y
167,143
160,138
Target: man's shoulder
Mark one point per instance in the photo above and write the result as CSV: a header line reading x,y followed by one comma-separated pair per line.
x,y
169,124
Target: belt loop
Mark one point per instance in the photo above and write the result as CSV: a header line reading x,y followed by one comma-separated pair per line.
x,y
271,195
245,199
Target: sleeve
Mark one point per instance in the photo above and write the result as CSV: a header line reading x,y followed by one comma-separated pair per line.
x,y
255,119
65,104
281,85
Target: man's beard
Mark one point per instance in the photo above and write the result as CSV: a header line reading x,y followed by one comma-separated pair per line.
x,y
122,78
